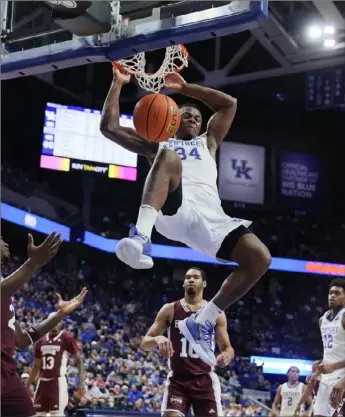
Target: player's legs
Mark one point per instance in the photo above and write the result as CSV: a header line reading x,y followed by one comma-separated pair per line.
x,y
322,407
164,177
253,259
175,401
16,402
205,392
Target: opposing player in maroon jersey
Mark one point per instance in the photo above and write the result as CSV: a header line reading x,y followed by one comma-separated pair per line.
x,y
15,401
51,357
190,382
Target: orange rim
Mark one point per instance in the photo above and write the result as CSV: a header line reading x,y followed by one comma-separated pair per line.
x,y
118,66
184,50
186,54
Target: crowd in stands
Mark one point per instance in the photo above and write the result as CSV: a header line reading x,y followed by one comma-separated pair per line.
x,y
121,306
289,235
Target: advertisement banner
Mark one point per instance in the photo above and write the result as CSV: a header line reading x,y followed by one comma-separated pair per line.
x,y
280,366
300,177
242,173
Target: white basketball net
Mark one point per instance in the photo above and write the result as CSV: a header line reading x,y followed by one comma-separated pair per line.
x,y
176,58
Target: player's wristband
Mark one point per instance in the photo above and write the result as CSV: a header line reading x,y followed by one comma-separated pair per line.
x,y
33,334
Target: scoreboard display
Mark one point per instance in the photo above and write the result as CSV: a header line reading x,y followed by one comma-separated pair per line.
x,y
72,141
326,88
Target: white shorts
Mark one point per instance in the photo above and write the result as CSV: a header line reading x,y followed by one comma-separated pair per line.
x,y
322,407
199,223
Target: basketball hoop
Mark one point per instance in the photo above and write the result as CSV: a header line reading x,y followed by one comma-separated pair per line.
x,y
176,58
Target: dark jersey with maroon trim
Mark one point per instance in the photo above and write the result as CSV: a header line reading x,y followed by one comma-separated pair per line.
x,y
8,343
184,360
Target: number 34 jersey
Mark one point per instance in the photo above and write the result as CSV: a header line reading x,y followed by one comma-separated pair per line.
x,y
184,360
53,352
199,169
333,338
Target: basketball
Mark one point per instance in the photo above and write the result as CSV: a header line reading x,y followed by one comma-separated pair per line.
x,y
156,117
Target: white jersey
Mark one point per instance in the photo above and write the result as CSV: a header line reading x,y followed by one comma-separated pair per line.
x,y
290,397
333,338
199,169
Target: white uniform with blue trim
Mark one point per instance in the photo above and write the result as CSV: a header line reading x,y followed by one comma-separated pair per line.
x,y
290,397
200,222
333,337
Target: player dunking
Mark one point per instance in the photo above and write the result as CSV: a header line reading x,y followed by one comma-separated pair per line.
x,y
332,326
15,401
190,382
288,394
181,200
51,357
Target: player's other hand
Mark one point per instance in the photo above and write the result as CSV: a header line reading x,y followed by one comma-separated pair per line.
x,y
120,74
165,346
43,253
273,414
174,82
297,410
67,307
224,359
326,368
337,394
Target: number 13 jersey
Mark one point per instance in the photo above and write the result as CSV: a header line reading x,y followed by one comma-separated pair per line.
x,y
184,360
53,352
333,338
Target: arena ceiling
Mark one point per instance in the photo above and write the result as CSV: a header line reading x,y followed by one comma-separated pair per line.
x,y
277,47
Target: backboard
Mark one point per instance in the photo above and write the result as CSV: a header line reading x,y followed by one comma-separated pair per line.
x,y
155,26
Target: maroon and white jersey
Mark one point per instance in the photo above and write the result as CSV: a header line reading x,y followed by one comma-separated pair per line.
x,y
53,352
184,360
8,343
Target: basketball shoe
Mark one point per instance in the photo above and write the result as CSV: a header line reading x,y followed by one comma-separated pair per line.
x,y
200,336
135,250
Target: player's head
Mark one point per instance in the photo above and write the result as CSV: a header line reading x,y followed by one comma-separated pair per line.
x,y
336,294
293,374
191,121
5,252
195,281
55,330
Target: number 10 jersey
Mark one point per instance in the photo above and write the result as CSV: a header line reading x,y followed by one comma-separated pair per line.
x,y
184,360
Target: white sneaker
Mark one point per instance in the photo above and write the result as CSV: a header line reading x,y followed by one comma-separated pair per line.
x,y
135,250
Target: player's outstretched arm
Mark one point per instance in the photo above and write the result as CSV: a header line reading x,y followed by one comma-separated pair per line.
x,y
110,127
25,337
37,257
223,105
276,402
227,352
154,337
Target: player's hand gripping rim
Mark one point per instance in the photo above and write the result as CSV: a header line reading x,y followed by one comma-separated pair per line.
x,y
165,346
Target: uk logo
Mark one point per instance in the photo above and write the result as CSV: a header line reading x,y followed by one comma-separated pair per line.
x,y
241,168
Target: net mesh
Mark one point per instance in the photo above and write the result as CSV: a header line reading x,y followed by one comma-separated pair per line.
x,y
176,58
